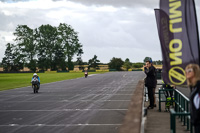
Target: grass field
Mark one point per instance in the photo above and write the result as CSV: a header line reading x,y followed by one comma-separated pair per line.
x,y
16,80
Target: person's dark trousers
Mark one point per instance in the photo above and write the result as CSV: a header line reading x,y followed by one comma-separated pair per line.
x,y
151,96
197,129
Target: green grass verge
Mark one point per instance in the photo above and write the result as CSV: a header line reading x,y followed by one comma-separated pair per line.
x,y
16,80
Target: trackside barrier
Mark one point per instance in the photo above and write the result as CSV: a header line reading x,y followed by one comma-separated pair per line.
x,y
105,70
161,91
173,115
110,70
181,110
137,70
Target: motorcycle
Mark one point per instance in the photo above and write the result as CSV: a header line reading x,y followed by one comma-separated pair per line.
x,y
35,86
86,74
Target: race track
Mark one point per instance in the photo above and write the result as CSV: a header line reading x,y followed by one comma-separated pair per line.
x,y
96,104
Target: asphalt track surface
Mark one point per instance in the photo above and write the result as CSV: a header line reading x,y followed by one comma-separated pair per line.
x,y
96,104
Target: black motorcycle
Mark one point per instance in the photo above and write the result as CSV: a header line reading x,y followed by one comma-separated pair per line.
x,y
35,86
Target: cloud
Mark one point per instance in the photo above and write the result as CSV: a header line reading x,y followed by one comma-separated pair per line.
x,y
107,28
2,47
119,3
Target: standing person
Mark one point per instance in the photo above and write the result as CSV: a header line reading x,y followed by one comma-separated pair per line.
x,y
193,81
150,82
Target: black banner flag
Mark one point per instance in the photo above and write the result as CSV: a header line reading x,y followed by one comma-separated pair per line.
x,y
178,33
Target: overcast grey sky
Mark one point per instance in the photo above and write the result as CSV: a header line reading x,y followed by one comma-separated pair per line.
x,y
107,28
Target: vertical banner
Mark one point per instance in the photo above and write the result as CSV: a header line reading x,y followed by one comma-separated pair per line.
x,y
165,36
178,33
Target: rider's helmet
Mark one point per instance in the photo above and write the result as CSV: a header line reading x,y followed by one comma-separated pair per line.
x,y
35,74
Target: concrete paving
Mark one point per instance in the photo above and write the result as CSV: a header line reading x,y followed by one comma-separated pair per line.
x,y
96,104
157,122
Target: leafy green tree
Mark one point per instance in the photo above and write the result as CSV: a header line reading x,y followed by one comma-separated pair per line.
x,y
127,64
7,61
45,47
138,65
79,59
46,36
59,58
116,63
147,59
32,65
18,60
94,62
25,40
13,60
159,62
69,40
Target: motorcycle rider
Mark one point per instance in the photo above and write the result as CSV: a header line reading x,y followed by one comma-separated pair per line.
x,y
86,73
36,76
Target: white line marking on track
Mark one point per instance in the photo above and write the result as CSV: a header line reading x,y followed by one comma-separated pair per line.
x,y
67,101
40,125
59,125
63,110
12,125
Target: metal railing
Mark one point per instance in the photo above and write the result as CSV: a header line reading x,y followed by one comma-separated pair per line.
x,y
181,109
173,115
161,91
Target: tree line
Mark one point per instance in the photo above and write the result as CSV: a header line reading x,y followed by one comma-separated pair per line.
x,y
46,47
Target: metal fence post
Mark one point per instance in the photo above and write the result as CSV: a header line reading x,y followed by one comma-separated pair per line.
x,y
188,120
176,99
181,109
191,128
184,121
172,122
159,100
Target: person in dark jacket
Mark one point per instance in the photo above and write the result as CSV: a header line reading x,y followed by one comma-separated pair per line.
x,y
193,80
150,82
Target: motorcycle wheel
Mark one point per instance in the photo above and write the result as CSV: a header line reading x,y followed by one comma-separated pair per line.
x,y
35,88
